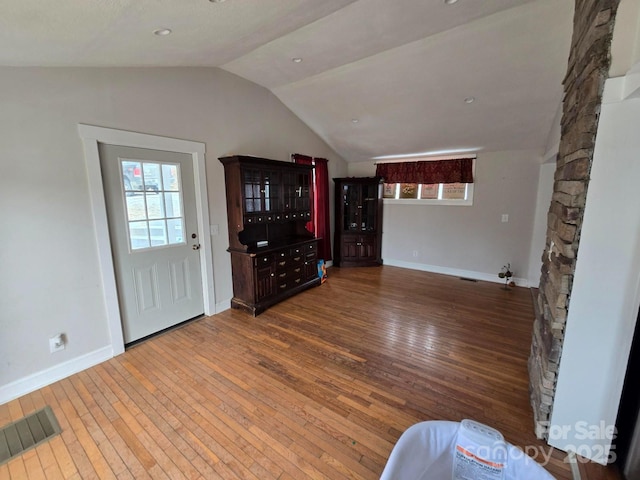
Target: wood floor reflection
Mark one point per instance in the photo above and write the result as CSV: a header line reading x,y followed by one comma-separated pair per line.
x,y
319,386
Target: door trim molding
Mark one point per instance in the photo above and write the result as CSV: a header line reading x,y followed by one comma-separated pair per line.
x,y
91,136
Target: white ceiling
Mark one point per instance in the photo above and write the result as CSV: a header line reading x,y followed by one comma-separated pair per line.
x,y
402,68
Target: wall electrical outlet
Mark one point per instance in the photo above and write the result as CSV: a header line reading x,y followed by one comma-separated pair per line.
x,y
505,217
56,343
415,253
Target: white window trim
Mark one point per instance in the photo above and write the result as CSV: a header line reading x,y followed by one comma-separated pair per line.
x,y
91,136
434,201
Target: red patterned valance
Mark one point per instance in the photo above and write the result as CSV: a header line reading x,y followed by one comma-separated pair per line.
x,y
302,159
459,170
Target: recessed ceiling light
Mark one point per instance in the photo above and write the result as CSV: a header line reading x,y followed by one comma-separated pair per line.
x,y
162,32
450,2
296,60
354,120
469,99
217,1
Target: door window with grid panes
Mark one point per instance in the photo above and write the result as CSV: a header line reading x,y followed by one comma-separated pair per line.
x,y
154,204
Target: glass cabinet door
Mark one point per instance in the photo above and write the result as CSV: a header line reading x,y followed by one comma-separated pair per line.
x,y
297,193
271,191
369,202
303,191
352,207
261,190
252,182
289,190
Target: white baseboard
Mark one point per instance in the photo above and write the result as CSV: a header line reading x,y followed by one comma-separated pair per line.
x,y
50,375
455,272
223,305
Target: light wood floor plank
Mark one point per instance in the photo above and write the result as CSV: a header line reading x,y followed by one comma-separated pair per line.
x,y
219,420
15,410
17,468
319,386
33,466
190,411
67,450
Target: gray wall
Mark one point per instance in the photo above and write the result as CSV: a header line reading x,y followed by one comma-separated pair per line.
x,y
539,238
50,280
469,240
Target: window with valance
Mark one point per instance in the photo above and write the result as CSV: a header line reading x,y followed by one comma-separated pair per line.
x,y
431,181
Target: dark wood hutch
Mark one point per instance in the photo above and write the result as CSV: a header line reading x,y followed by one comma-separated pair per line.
x,y
358,228
273,255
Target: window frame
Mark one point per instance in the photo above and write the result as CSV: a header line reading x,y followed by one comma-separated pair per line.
x,y
467,202
144,192
434,201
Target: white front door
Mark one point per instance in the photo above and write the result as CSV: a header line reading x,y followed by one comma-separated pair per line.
x,y
150,197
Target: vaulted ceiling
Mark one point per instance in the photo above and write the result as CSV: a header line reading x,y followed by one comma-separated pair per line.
x,y
374,78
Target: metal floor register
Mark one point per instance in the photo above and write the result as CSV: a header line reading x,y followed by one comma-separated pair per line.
x,y
26,433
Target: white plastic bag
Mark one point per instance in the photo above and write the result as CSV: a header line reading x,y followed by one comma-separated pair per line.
x,y
425,451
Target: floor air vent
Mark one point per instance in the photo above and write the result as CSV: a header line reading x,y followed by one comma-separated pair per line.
x,y
27,433
468,279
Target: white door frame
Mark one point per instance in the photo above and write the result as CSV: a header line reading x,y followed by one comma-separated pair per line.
x,y
91,136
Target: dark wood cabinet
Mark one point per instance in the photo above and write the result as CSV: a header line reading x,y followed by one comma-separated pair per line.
x,y
358,229
273,255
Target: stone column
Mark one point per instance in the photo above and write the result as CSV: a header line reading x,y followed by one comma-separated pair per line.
x,y
588,69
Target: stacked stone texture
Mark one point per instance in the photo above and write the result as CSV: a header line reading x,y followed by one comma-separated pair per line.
x,y
587,71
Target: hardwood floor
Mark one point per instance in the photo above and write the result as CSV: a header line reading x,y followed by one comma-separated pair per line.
x,y
319,386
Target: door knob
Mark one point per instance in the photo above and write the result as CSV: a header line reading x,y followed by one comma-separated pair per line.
x,y
196,247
